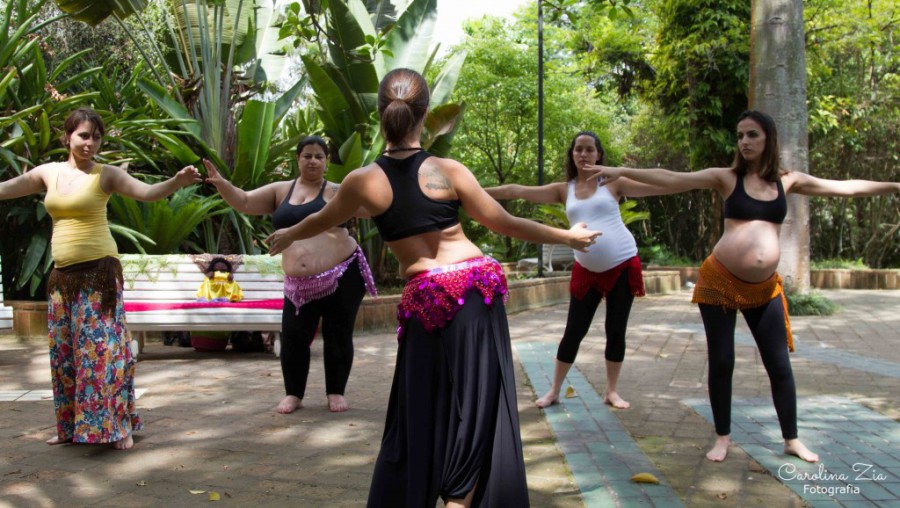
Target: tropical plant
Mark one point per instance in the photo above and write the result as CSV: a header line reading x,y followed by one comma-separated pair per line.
x,y
170,222
224,53
32,100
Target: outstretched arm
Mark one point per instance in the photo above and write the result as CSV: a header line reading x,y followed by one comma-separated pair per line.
x,y
30,182
343,206
259,201
671,181
809,185
479,205
115,179
551,193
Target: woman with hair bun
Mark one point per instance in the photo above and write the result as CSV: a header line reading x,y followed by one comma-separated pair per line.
x,y
452,429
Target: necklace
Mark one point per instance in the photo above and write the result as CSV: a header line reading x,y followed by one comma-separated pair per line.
x,y
410,149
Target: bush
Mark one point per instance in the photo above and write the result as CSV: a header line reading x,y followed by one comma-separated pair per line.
x,y
811,304
824,264
660,255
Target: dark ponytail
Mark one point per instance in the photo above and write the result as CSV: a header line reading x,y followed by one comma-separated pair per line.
x,y
403,98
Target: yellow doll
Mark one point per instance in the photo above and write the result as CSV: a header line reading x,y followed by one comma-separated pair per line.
x,y
219,285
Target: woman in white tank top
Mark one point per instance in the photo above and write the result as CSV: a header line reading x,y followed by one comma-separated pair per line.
x,y
610,268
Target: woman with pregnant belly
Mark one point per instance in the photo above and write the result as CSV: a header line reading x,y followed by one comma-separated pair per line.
x,y
740,272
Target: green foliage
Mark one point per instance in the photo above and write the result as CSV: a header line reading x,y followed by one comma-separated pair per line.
x,y
852,264
498,139
658,254
168,223
854,126
811,304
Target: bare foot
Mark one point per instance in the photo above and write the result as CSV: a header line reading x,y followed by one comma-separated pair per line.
x,y
613,399
795,447
56,440
720,449
548,399
337,403
289,404
124,444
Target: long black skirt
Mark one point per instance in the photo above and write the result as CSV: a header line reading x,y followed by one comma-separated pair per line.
x,y
452,422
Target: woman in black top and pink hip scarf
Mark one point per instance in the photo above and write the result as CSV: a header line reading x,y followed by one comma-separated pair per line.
x,y
740,272
325,277
452,429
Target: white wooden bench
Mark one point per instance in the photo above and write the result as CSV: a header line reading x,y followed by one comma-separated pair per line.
x,y
561,255
173,279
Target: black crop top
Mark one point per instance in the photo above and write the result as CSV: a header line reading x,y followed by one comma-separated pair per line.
x,y
287,215
742,206
411,211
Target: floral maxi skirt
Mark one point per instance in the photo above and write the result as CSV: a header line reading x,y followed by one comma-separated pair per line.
x,y
92,366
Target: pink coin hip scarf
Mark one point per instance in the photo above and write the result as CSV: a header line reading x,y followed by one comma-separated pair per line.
x,y
435,296
301,290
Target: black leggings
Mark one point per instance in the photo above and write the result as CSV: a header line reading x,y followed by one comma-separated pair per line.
x,y
768,328
338,314
581,313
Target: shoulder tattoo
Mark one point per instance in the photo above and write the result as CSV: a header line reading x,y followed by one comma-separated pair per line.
x,y
434,179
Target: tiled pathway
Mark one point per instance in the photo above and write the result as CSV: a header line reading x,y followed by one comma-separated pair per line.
x,y
601,454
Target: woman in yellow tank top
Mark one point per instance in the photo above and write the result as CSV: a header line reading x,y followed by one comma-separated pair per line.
x,y
91,363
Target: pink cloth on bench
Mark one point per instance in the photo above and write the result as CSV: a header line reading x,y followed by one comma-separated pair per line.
x,y
246,304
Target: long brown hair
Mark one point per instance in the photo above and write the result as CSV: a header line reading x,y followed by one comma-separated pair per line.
x,y
403,98
770,162
571,170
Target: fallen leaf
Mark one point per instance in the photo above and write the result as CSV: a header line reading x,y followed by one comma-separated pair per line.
x,y
142,483
662,355
644,478
214,496
570,392
197,491
722,495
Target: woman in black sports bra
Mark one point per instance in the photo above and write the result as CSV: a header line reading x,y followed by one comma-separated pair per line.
x,y
740,274
325,277
452,428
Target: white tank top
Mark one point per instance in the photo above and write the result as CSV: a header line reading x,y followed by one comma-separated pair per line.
x,y
601,213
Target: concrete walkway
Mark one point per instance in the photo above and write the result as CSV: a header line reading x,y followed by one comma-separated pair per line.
x,y
210,424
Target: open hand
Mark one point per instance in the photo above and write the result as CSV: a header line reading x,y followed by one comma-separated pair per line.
x,y
278,241
212,174
603,174
581,237
188,176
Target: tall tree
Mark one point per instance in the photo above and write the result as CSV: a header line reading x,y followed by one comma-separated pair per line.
x,y
778,87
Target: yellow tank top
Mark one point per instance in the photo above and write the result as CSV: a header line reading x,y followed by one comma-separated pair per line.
x,y
80,229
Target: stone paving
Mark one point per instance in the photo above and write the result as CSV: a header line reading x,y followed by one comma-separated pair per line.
x,y
210,424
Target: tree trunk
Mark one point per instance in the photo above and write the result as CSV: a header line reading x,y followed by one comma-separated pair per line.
x,y
778,87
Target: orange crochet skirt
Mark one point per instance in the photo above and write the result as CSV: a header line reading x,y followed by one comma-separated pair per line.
x,y
717,286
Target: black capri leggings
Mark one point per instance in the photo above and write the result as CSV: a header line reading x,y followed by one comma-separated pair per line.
x,y
581,314
768,328
338,314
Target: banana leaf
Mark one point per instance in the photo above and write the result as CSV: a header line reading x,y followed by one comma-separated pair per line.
x,y
410,40
93,12
253,141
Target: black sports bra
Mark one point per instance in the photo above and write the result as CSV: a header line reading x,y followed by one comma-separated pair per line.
x,y
742,206
287,215
411,211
